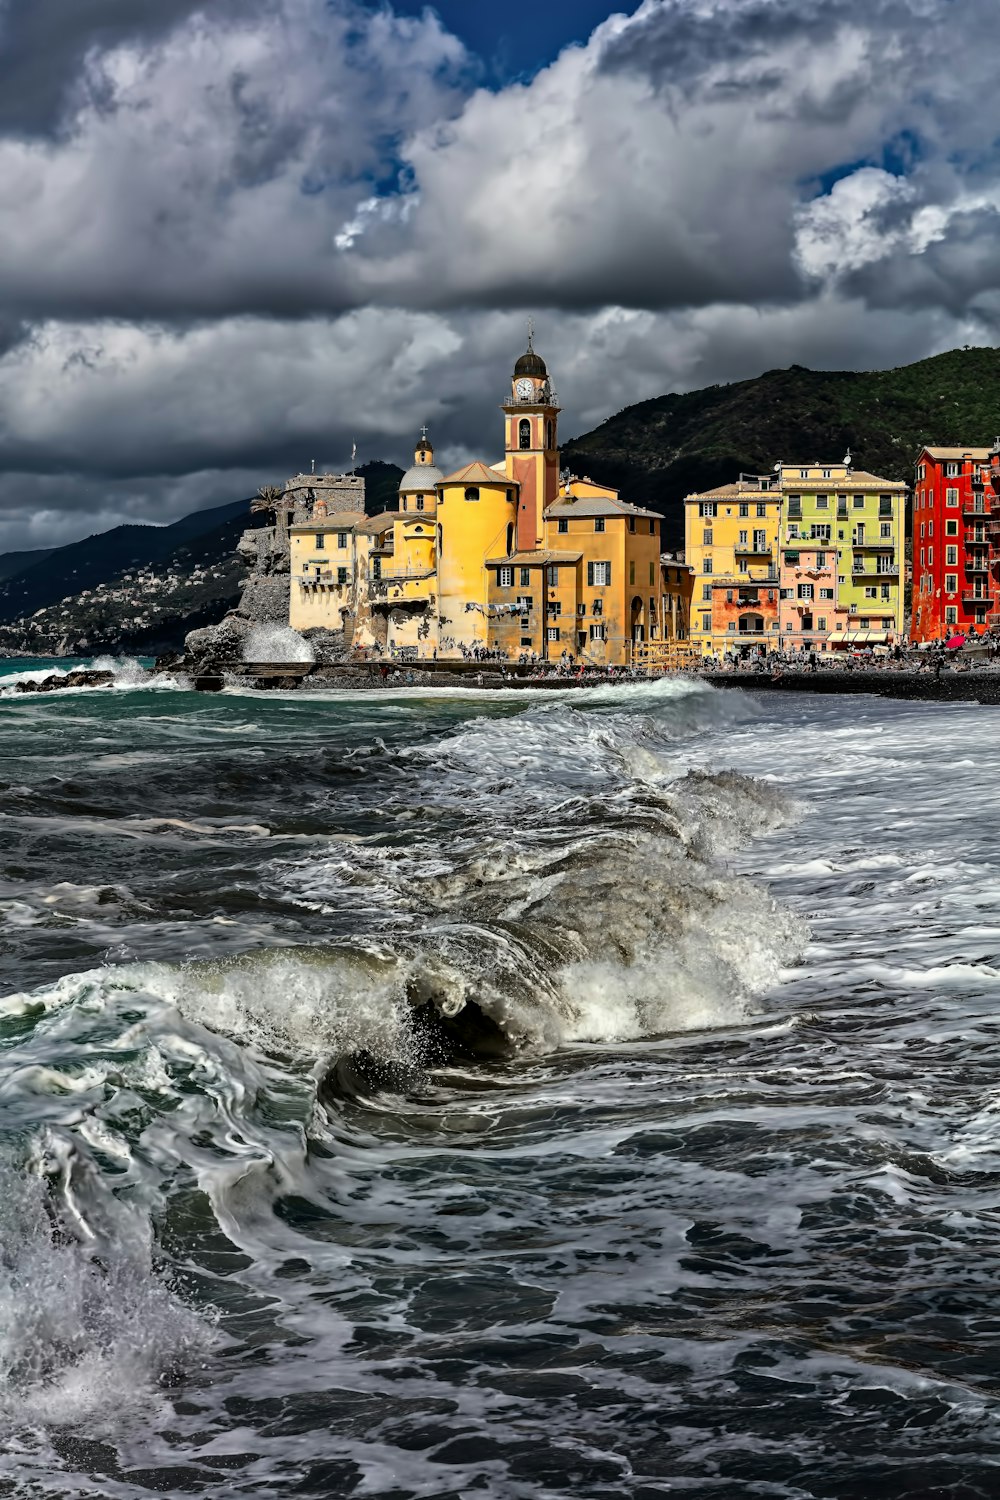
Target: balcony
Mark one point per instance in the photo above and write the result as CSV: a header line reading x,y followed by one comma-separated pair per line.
x,y
969,596
400,575
975,508
976,565
875,544
748,549
866,571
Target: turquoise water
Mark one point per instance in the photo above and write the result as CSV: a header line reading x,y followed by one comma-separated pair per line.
x,y
434,1094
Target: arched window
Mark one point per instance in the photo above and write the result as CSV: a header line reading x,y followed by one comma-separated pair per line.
x,y
550,435
524,433
510,538
472,493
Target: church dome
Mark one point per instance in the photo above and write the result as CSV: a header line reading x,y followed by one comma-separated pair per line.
x,y
421,477
531,363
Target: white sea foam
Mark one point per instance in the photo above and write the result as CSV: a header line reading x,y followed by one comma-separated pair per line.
x,y
276,643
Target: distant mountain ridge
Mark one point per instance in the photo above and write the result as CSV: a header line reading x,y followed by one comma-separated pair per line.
x,y
658,451
140,588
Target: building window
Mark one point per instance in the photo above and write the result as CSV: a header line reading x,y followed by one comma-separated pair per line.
x,y
744,538
524,434
599,574
597,632
597,607
803,473
951,614
652,575
550,435
864,624
823,501
821,623
744,508
819,533
526,640
341,540
599,524
885,505
950,528
472,493
525,577
951,499
562,526
871,593
930,557
320,541
524,603
706,565
805,590
761,510
826,593
951,583
631,572
554,607
886,529
706,537
707,509
821,559
859,502
952,470
341,576
706,593
552,574
505,578
420,502
631,523
885,592
950,556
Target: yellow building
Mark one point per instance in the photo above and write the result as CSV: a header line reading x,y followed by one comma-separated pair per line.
x,y
731,544
512,558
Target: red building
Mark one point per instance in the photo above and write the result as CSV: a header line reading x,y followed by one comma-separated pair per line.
x,y
956,543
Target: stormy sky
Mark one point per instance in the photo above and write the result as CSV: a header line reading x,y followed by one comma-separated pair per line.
x,y
241,234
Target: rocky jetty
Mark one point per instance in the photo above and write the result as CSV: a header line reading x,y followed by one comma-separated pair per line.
x,y
57,682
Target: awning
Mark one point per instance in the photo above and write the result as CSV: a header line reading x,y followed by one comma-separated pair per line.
x,y
836,638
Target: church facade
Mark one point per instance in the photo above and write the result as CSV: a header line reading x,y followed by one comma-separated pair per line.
x,y
513,557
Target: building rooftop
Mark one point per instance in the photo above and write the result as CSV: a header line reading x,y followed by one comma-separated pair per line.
x,y
844,483
346,520
478,473
376,525
738,490
596,505
533,559
979,455
420,477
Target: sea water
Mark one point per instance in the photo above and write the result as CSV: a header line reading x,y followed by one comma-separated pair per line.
x,y
498,1095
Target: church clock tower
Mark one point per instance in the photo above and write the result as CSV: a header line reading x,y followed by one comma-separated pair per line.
x,y
532,445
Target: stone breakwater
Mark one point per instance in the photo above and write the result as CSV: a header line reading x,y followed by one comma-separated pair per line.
x,y
951,687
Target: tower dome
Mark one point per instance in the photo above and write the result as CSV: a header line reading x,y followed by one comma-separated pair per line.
x,y
424,473
531,363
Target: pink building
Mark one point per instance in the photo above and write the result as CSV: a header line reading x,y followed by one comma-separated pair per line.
x,y
809,612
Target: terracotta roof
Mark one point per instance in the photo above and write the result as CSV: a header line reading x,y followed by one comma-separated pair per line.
x,y
978,455
857,479
376,525
342,521
533,559
597,505
477,473
736,491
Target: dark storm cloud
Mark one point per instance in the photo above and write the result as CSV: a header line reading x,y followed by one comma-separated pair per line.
x,y
239,236
44,44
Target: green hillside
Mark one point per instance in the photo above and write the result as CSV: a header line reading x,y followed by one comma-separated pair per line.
x,y
660,450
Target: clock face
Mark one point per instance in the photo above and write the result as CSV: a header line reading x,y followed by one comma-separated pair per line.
x,y
525,389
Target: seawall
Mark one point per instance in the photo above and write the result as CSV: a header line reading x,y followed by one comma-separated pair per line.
x,y
951,687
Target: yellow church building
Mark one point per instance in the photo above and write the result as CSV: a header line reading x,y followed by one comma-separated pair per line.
x,y
513,558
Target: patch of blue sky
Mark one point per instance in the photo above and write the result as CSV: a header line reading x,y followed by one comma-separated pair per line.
x,y
898,157
515,39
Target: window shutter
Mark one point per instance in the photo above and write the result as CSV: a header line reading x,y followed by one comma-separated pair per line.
x,y
590,575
